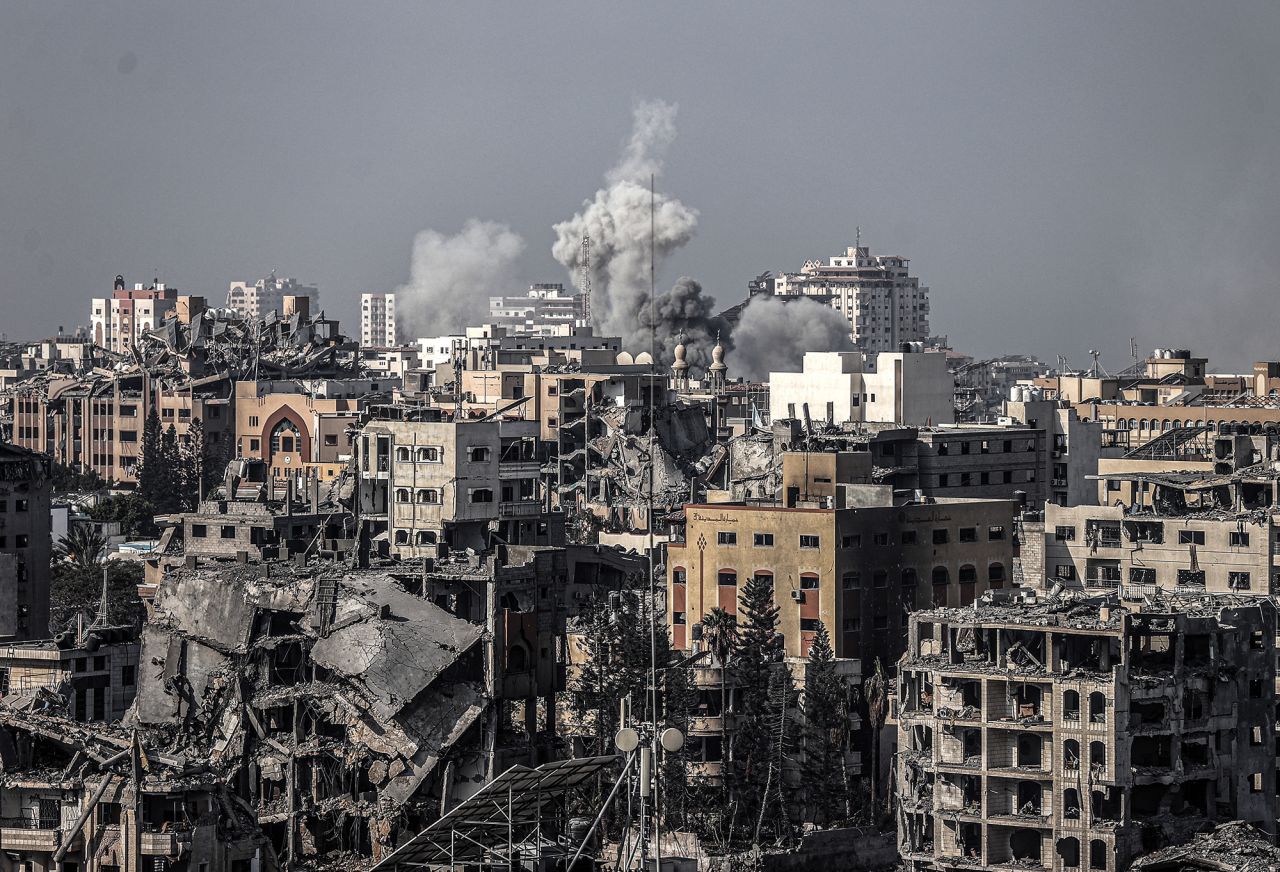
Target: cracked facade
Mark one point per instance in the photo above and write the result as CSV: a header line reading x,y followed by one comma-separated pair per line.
x,y
1068,733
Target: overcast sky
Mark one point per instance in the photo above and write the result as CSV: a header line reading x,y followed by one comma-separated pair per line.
x,y
1062,175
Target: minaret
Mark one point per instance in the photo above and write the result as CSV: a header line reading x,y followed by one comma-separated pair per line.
x,y
717,367
680,367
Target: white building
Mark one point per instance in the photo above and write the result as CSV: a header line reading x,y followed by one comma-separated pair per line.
x,y
256,300
911,388
377,320
885,306
540,312
119,321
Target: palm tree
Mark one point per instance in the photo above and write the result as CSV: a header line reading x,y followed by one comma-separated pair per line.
x,y
876,690
720,630
84,547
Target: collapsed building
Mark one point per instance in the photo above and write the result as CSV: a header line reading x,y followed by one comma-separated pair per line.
x,y
1068,733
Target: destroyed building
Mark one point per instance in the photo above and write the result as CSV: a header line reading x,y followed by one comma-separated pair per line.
x,y
1068,733
25,545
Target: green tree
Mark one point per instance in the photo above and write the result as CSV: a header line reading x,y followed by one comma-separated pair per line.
x,y
84,547
152,475
71,479
75,590
826,713
134,512
759,741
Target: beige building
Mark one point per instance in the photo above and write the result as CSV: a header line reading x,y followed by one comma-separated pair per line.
x,y
839,387
291,425
858,562
1069,734
256,300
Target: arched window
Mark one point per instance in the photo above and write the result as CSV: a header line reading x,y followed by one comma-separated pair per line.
x,y
517,658
428,455
285,437
1142,425
1071,706
402,495
402,454
1069,851
425,537
995,574
1029,751
941,575
968,574
402,537
1097,708
1098,755
428,495
1071,754
909,578
1133,423
1071,804
1097,854
1177,423
678,575
727,578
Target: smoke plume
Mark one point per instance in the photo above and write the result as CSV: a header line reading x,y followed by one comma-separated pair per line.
x,y
451,277
618,221
685,314
773,336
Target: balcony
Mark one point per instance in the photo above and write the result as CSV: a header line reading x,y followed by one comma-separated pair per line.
x,y
164,844
521,509
21,834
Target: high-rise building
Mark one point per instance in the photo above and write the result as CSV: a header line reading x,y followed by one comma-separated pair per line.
x,y
377,320
885,305
543,311
258,299
119,321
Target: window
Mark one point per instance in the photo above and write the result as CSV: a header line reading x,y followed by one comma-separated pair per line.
x,y
968,534
907,537
995,534
479,454
849,581
402,537
1191,576
808,581
1065,572
808,541
253,420
881,539
21,540
677,617
853,541
1064,534
428,455
1142,575
1238,580
965,447
1191,537
940,536
402,495
1239,539
228,532
331,439
128,435
199,531
428,495
942,480
1008,476
810,624
941,576
995,573
726,537
727,578
879,578
402,454
764,540
255,445
481,495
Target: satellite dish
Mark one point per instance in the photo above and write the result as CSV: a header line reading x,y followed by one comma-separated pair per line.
x,y
627,740
672,740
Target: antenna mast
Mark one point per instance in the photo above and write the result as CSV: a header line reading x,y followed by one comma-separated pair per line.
x,y
584,279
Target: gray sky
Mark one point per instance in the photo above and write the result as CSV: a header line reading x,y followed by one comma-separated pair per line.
x,y
1063,175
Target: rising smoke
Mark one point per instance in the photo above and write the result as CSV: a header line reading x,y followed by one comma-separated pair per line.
x,y
773,336
618,221
451,277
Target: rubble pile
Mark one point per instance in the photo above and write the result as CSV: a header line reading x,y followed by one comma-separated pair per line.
x,y
1235,846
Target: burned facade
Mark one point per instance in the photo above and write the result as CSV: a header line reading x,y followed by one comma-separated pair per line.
x,y
1068,733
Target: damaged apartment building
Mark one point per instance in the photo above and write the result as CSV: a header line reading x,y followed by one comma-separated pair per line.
x,y
299,715
1067,733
